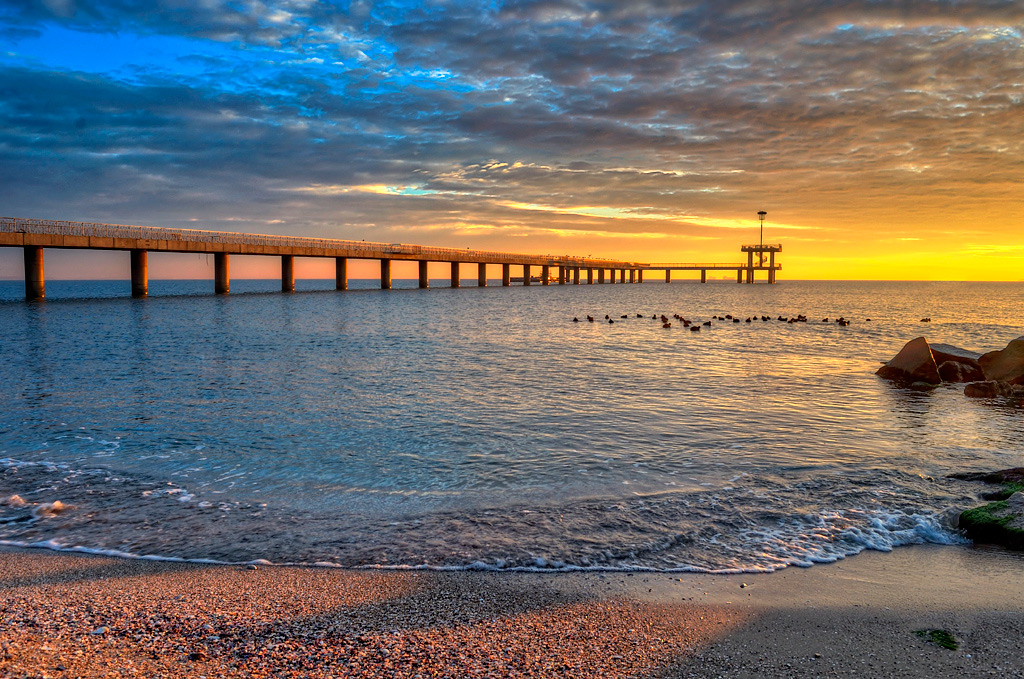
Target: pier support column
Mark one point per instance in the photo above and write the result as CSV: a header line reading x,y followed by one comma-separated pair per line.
x,y
140,273
750,267
600,276
668,275
526,274
639,275
287,273
456,281
563,274
424,276
703,275
340,273
221,277
545,273
576,275
771,271
632,275
622,276
590,276
481,275
385,274
739,275
506,277
35,281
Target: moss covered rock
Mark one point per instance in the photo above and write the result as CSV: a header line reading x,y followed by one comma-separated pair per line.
x,y
1000,522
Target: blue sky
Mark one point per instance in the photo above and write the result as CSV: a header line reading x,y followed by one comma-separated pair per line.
x,y
876,134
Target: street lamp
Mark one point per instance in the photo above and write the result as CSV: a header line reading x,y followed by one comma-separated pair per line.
x,y
760,216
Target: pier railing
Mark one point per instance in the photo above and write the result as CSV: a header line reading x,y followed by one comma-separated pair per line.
x,y
99,230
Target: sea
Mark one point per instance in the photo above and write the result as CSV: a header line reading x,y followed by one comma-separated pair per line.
x,y
493,428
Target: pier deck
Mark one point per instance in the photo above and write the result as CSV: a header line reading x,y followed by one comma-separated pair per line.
x,y
33,235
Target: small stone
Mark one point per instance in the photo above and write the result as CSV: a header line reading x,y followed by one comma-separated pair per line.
x,y
250,567
100,630
743,585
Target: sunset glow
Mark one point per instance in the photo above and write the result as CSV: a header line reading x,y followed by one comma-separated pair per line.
x,y
883,143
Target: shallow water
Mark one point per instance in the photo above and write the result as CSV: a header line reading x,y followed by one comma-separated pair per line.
x,y
482,427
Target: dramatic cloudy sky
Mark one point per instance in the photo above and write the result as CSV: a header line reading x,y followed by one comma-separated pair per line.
x,y
885,138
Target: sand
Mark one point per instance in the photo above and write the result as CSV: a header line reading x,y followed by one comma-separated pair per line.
x,y
70,615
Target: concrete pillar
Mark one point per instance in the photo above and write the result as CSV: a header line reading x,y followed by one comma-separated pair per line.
x,y
140,273
668,275
385,274
340,273
600,275
590,276
287,273
771,271
639,275
632,275
526,274
545,272
456,281
750,267
576,275
221,277
35,281
563,274
739,275
622,276
703,275
506,277
481,275
424,277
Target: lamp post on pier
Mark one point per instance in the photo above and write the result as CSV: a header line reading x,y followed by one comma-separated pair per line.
x,y
760,216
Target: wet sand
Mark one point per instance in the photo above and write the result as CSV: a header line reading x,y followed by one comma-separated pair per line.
x,y
70,615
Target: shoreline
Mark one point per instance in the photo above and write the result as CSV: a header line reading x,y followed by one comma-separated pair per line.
x,y
101,616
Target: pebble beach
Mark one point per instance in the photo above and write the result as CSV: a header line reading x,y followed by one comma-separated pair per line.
x,y
75,615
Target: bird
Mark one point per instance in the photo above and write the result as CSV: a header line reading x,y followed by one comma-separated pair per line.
x,y
695,328
666,325
575,320
590,318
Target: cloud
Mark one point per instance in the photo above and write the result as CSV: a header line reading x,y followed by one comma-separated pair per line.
x,y
675,118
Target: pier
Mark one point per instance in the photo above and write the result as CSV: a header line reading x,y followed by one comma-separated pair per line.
x,y
35,235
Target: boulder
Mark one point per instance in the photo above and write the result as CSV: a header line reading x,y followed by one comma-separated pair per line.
x,y
914,363
1000,523
992,389
1005,365
1009,481
952,371
952,354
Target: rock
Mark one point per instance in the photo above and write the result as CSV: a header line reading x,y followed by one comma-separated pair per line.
x,y
1012,475
914,363
1000,523
99,630
951,371
1010,481
50,509
948,352
992,389
14,501
1005,365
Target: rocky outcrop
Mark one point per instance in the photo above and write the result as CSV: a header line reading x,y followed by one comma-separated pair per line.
x,y
997,373
992,389
914,363
1000,522
1005,365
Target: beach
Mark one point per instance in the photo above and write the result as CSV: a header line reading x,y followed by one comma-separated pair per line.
x,y
80,615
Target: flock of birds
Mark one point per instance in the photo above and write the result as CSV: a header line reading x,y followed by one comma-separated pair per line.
x,y
695,326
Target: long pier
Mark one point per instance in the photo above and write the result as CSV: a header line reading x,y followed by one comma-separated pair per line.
x,y
34,235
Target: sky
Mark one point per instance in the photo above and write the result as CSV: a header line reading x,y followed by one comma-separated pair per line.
x,y
884,138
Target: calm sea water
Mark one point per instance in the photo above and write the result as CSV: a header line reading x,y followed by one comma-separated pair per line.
x,y
483,428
